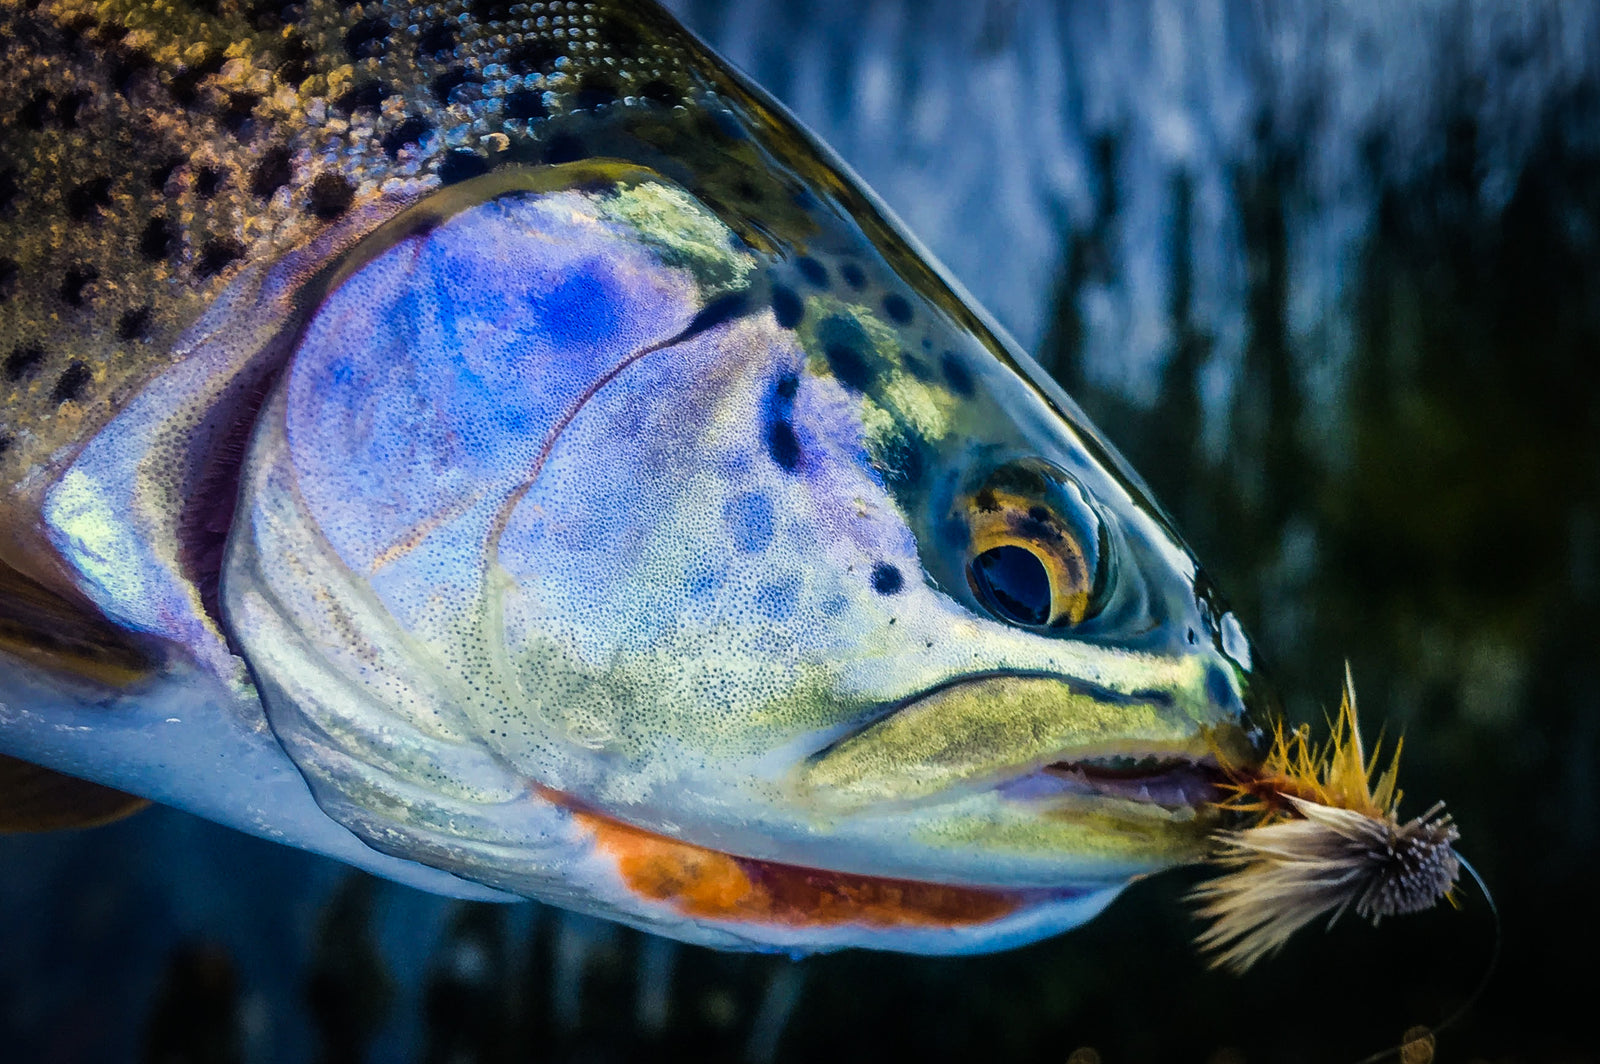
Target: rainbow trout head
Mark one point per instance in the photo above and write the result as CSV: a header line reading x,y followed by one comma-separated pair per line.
x,y
576,507
659,532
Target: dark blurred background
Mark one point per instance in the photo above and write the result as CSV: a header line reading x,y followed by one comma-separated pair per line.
x,y
1329,274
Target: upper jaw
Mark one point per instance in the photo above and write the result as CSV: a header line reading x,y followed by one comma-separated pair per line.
x,y
1035,738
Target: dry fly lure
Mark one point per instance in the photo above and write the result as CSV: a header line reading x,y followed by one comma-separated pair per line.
x,y
1326,838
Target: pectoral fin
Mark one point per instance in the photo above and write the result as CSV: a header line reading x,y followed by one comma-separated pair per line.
x,y
45,630
39,799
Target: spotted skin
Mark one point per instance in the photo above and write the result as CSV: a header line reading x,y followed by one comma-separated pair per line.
x,y
152,151
552,474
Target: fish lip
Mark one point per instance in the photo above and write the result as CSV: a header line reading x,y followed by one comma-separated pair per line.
x,y
1171,783
1076,684
1174,778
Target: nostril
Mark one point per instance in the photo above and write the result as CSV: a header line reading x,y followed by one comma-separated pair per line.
x,y
1218,688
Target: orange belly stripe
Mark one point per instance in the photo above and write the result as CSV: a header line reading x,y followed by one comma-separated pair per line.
x,y
709,884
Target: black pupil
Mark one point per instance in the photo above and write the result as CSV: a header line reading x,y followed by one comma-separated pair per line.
x,y
1014,584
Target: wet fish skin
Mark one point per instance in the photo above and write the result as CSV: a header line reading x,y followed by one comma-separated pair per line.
x,y
220,220
153,151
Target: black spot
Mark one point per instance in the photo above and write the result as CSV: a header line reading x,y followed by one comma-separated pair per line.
x,y
185,87
367,38
207,180
620,36
32,114
155,243
297,55
87,199
217,256
886,579
492,10
563,148
812,270
238,117
722,309
660,92
362,94
8,277
524,104
134,324
68,106
127,66
411,131
74,281
596,92
5,444
956,375
782,444
849,366
273,14
786,306
849,352
8,188
460,165
747,191
451,80
23,360
331,195
898,308
534,56
272,172
163,173
854,275
438,41
901,460
70,385
916,367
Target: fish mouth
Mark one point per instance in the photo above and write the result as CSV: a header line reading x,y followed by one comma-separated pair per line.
x,y
1043,739
1171,783
1119,787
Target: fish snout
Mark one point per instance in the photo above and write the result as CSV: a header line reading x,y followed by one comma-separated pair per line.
x,y
1142,734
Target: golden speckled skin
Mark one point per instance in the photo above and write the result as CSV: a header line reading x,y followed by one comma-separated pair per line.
x,y
150,151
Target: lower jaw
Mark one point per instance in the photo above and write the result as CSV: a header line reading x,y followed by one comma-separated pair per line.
x,y
705,884
709,885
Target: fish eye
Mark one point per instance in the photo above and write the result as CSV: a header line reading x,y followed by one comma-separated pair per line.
x,y
1012,581
1037,551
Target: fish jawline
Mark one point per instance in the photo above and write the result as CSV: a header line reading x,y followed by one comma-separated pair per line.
x,y
707,884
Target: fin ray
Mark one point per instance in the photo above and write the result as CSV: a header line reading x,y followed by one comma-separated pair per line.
x,y
40,799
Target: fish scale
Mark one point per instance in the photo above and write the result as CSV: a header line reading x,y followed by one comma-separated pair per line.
x,y
230,133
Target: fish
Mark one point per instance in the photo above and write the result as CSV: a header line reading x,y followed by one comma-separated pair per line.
x,y
496,446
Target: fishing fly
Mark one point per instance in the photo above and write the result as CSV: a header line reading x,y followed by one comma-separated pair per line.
x,y
1327,837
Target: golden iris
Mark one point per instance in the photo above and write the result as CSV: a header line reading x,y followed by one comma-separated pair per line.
x,y
1034,549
